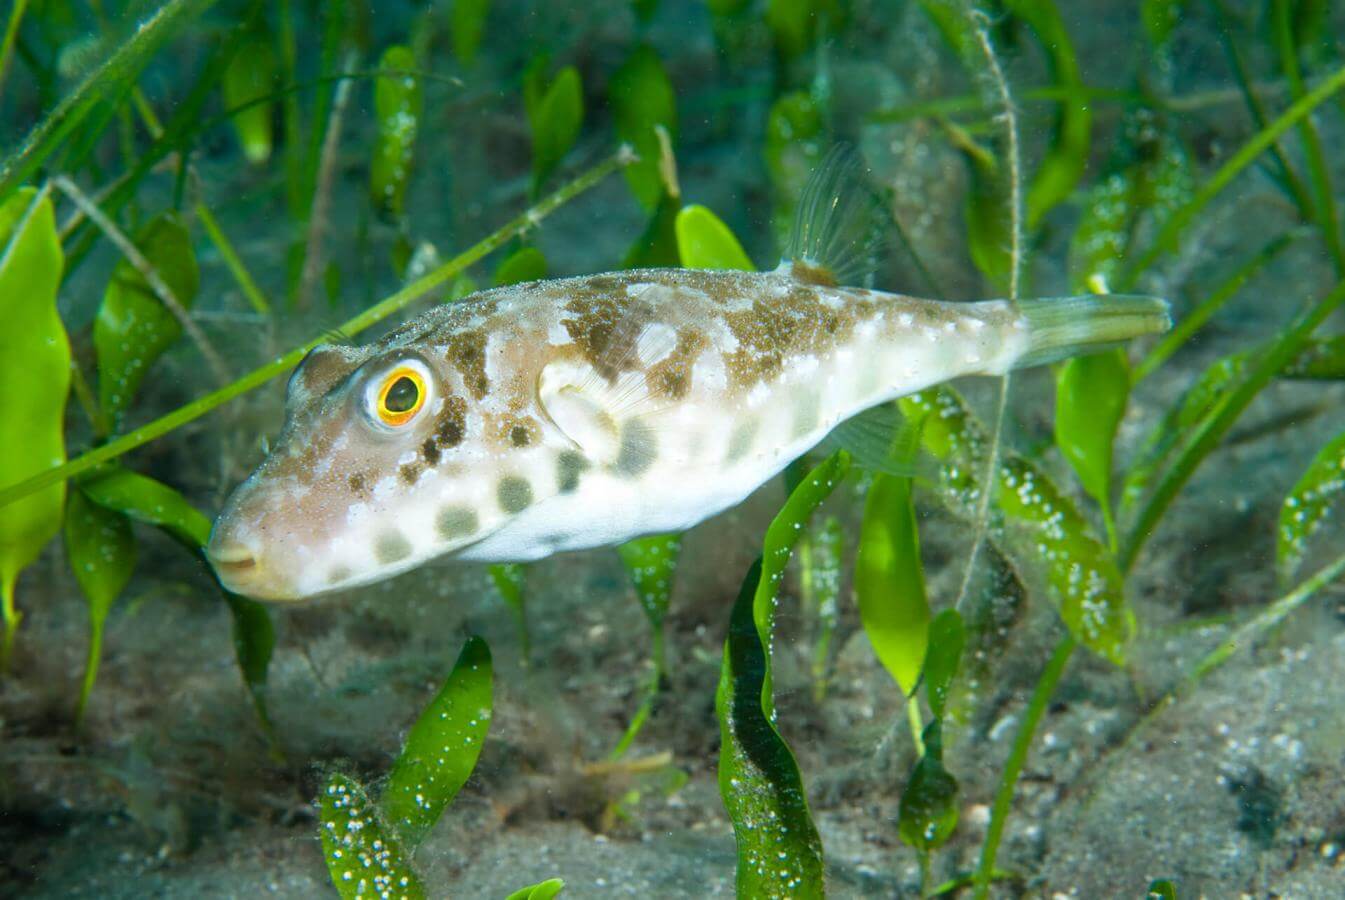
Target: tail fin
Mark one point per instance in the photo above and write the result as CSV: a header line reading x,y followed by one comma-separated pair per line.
x,y
1061,327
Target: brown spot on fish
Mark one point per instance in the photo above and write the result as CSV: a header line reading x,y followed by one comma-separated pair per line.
x,y
570,465
467,352
356,483
773,328
514,493
605,324
410,472
323,367
519,431
810,274
391,547
430,451
450,427
671,376
455,521
639,446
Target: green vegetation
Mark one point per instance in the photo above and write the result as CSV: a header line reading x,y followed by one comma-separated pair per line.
x,y
1064,521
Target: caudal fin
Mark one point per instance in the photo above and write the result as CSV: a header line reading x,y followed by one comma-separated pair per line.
x,y
1061,327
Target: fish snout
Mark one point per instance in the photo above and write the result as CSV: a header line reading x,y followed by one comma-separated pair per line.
x,y
241,566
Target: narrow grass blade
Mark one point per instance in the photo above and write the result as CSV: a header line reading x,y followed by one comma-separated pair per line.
x,y
705,242
1161,889
890,582
1320,360
442,747
35,374
101,550
511,581
113,74
779,850
363,860
1309,504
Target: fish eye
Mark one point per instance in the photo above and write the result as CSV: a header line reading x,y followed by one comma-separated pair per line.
x,y
399,394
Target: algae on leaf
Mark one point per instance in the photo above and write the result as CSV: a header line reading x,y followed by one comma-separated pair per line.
x,y
35,372
362,859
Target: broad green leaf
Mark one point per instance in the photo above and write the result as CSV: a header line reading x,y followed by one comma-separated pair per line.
x,y
469,25
1161,889
254,640
642,97
988,213
544,890
524,264
1065,160
779,850
705,242
35,374
890,582
251,76
1099,243
651,562
363,860
101,550
442,747
398,106
820,554
795,144
1082,574
1042,527
555,114
1090,400
781,536
1160,18
1309,504
947,637
151,502
133,328
928,811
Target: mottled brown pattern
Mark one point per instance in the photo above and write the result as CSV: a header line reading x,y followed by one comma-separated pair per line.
x,y
450,426
356,483
467,352
605,327
324,366
410,472
520,431
773,328
671,376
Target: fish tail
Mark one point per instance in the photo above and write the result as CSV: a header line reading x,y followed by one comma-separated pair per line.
x,y
1061,327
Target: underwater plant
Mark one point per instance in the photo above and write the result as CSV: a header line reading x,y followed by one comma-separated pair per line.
x,y
205,189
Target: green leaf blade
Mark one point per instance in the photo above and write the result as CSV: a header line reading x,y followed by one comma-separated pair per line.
x,y
928,814
151,502
1090,401
947,640
890,583
250,77
398,107
1309,504
133,328
705,242
642,97
35,372
469,26
778,847
442,747
362,860
543,890
556,115
101,550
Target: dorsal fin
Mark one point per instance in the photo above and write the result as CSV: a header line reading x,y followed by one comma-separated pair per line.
x,y
838,226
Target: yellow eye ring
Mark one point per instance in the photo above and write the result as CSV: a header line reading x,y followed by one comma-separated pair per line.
x,y
401,396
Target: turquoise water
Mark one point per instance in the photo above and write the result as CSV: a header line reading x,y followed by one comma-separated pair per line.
x,y
1195,732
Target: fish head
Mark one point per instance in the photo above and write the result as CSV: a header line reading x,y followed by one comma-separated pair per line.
x,y
362,481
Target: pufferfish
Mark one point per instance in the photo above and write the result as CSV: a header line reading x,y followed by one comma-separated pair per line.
x,y
581,412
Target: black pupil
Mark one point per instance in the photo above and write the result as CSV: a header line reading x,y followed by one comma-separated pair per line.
x,y
402,396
